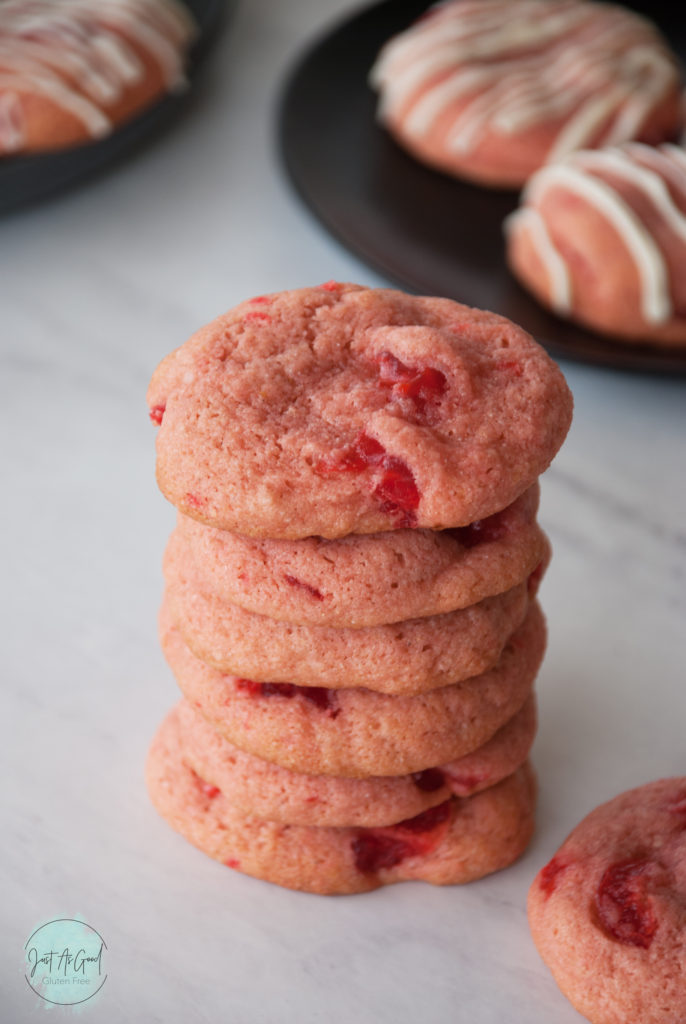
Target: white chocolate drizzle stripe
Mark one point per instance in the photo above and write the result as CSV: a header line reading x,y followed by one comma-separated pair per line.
x,y
120,59
466,129
431,103
11,122
39,58
530,220
584,124
661,160
423,113
139,25
425,35
467,39
677,153
397,92
648,182
640,102
494,35
93,119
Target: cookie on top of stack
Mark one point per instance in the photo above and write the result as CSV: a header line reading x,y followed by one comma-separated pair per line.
x,y
350,606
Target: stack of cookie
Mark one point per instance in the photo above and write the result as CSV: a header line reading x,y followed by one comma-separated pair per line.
x,y
350,604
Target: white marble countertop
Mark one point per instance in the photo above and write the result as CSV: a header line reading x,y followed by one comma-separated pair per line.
x,y
95,287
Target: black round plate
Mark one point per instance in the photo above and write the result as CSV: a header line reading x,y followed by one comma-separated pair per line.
x,y
425,231
27,179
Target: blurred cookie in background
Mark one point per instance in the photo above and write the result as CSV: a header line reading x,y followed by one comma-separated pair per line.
x,y
600,238
491,90
71,71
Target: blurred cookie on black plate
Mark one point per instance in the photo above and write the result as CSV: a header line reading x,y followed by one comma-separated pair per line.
x,y
491,90
600,238
72,71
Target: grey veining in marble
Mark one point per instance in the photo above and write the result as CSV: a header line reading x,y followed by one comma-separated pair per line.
x,y
95,287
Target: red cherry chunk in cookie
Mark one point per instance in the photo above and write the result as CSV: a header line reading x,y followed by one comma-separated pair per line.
x,y
548,875
293,581
429,780
420,385
194,500
324,699
481,531
257,317
354,458
395,487
156,413
623,903
398,492
206,788
249,686
318,695
375,849
427,821
463,785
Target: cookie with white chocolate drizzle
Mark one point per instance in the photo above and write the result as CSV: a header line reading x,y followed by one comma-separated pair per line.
x,y
600,238
491,90
72,71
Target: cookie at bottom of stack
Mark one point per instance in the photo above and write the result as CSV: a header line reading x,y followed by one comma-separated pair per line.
x,y
457,841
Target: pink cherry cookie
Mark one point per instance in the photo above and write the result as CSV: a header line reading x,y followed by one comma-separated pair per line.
x,y
338,410
608,912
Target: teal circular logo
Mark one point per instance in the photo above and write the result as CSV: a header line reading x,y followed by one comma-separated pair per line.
x,y
65,961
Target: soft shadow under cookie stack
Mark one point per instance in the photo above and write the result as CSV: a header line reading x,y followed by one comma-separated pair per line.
x,y
350,606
